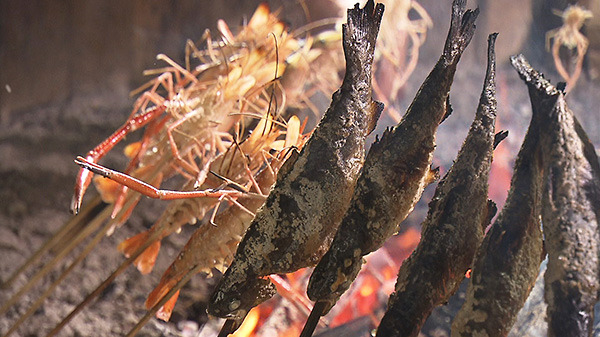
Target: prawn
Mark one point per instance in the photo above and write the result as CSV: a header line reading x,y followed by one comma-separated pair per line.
x,y
197,121
226,233
569,35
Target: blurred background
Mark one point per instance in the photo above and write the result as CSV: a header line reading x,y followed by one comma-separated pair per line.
x,y
66,70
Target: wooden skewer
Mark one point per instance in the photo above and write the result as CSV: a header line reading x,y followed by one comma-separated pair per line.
x,y
86,232
313,319
227,328
91,210
88,248
154,237
164,300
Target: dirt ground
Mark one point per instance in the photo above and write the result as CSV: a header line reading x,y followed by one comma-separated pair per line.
x,y
38,144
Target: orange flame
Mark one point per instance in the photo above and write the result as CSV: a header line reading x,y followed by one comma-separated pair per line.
x,y
249,325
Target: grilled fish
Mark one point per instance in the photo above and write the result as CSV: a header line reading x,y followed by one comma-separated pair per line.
x,y
570,213
507,263
396,171
313,189
454,228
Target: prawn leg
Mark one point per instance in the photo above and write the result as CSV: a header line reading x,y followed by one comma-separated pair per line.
x,y
85,177
151,191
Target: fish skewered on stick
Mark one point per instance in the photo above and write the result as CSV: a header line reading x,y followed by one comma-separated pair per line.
x,y
507,263
396,171
454,228
313,189
570,211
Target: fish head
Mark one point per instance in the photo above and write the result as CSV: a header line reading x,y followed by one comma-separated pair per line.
x,y
236,301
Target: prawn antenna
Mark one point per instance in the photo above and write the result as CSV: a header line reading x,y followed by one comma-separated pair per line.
x,y
272,96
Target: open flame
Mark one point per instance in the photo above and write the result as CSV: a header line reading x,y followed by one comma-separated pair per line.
x,y
249,325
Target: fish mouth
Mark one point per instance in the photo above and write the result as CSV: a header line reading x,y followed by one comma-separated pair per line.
x,y
236,315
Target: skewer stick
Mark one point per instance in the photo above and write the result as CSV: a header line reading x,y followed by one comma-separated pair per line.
x,y
91,209
40,300
154,237
86,232
227,328
313,319
162,302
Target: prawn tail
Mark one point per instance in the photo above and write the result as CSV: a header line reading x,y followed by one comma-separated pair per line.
x,y
160,291
145,262
164,313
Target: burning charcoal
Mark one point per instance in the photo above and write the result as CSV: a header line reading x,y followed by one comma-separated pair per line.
x,y
458,215
570,210
396,171
508,260
313,189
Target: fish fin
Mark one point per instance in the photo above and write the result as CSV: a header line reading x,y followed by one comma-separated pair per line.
x,y
432,175
375,113
490,212
499,137
289,163
449,109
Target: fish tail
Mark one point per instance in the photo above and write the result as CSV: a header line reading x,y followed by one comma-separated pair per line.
x,y
487,101
360,34
462,29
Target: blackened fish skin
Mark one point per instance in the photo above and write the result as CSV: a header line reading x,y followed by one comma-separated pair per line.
x,y
570,209
454,228
396,171
313,189
507,262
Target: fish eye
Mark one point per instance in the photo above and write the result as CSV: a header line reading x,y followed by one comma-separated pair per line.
x,y
234,305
